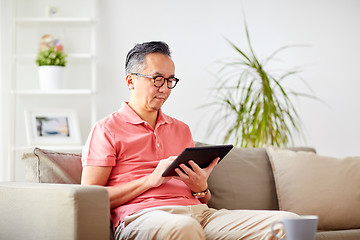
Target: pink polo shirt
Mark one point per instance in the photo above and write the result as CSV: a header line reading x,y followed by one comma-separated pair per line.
x,y
133,148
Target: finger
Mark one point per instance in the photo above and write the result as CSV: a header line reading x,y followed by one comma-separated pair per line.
x,y
194,166
181,175
186,169
165,163
213,164
180,179
215,161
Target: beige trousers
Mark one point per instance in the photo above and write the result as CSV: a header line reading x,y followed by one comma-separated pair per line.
x,y
200,222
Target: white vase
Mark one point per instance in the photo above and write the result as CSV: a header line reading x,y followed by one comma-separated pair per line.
x,y
51,77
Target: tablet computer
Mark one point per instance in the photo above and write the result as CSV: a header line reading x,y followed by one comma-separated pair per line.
x,y
202,156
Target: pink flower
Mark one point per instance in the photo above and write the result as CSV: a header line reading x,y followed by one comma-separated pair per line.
x,y
59,47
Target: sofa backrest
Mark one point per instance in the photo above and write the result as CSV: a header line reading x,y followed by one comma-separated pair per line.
x,y
244,180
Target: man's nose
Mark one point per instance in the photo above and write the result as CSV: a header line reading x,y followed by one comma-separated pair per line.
x,y
164,87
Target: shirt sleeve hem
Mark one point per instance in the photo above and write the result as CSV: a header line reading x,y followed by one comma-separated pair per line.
x,y
98,163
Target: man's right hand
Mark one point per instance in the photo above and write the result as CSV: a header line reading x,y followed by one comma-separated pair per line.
x,y
155,179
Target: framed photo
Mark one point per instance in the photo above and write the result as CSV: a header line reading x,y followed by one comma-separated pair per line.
x,y
56,126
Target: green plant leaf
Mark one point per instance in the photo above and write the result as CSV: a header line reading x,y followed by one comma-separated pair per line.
x,y
51,57
255,106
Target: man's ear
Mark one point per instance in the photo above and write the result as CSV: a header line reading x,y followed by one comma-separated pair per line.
x,y
129,81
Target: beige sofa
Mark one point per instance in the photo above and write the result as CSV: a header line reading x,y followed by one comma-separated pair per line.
x,y
44,210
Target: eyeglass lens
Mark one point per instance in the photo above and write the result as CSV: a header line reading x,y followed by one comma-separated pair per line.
x,y
159,81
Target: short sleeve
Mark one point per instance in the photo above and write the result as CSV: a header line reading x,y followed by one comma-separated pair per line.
x,y
190,139
100,149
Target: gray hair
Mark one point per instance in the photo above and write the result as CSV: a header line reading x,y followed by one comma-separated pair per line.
x,y
135,59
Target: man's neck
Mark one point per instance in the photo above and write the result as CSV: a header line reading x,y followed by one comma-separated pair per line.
x,y
148,116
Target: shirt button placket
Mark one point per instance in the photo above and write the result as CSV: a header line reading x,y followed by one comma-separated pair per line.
x,y
157,146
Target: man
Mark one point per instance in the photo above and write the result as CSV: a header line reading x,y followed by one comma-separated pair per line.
x,y
129,150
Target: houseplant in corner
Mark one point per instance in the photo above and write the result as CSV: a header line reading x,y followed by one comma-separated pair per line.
x,y
253,105
51,60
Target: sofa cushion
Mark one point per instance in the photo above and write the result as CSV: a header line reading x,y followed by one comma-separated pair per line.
x,y
242,180
349,234
44,166
311,184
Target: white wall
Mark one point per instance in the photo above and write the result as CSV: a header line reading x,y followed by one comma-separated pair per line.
x,y
1,98
195,29
5,50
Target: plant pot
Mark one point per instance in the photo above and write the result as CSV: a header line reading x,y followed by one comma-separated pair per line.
x,y
51,77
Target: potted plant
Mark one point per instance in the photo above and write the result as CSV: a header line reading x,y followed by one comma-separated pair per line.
x,y
51,60
253,107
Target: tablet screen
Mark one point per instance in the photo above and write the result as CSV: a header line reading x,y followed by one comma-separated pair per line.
x,y
202,156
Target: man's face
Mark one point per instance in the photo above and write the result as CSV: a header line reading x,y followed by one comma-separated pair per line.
x,y
149,97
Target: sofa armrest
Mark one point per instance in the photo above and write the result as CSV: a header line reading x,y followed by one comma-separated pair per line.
x,y
53,211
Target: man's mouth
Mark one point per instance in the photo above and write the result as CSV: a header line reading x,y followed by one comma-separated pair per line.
x,y
159,98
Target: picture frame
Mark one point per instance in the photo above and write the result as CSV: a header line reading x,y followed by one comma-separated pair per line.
x,y
55,126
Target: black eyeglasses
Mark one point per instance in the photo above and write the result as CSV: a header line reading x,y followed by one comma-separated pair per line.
x,y
160,80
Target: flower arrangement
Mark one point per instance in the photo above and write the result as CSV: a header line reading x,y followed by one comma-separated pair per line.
x,y
51,52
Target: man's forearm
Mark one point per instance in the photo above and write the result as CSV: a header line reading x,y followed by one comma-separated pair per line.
x,y
122,194
93,175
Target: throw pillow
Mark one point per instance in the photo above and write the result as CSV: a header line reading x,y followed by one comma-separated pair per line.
x,y
311,184
44,166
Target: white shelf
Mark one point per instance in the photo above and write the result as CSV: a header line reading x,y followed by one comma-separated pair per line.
x,y
24,27
54,20
70,56
50,147
38,92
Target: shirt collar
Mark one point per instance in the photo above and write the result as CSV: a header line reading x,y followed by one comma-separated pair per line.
x,y
129,115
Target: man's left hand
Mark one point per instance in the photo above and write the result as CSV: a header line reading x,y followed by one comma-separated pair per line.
x,y
195,177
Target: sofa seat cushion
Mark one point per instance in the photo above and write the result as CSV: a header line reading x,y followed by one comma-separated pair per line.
x,y
311,184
